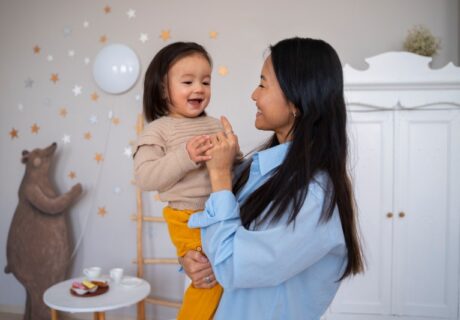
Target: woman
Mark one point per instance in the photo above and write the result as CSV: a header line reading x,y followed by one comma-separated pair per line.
x,y
280,239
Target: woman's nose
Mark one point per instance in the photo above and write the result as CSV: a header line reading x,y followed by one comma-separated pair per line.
x,y
254,94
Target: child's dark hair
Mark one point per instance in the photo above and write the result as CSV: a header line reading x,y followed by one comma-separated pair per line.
x,y
155,101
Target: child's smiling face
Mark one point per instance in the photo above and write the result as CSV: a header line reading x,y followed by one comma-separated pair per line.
x,y
189,86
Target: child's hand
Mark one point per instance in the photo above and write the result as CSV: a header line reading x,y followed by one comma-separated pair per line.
x,y
197,147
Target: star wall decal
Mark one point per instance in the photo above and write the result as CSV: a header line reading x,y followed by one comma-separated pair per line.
x,y
116,121
34,128
128,152
54,78
66,139
85,24
67,31
87,60
213,34
14,133
49,58
107,9
165,35
37,49
101,211
87,135
98,157
103,39
63,112
94,96
28,83
71,53
144,37
223,70
93,119
77,90
156,197
20,107
117,190
72,175
131,13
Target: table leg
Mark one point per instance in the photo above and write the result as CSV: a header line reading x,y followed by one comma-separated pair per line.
x,y
54,315
141,310
99,316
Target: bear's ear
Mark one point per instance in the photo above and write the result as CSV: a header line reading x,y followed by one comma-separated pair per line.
x,y
25,156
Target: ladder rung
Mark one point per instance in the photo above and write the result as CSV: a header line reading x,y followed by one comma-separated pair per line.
x,y
148,218
164,302
160,261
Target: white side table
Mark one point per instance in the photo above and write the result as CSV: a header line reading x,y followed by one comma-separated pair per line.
x,y
58,297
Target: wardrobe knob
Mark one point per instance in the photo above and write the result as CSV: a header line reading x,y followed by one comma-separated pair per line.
x,y
402,214
390,215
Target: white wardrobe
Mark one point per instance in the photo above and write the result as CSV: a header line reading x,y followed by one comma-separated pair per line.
x,y
405,161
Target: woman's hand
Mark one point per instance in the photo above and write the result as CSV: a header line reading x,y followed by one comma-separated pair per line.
x,y
224,150
198,269
197,147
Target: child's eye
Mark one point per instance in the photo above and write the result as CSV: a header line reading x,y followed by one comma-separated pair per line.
x,y
187,82
261,86
206,83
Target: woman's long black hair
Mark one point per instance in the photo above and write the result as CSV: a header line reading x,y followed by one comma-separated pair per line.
x,y
310,75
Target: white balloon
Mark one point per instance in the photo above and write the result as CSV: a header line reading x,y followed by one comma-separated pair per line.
x,y
116,68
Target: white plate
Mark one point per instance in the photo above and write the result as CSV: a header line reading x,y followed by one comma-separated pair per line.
x,y
130,282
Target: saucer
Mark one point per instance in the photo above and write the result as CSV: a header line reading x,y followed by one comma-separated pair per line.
x,y
130,282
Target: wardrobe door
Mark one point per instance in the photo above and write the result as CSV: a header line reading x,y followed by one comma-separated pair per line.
x,y
371,166
426,228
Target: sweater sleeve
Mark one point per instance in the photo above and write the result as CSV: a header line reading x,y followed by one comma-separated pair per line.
x,y
156,169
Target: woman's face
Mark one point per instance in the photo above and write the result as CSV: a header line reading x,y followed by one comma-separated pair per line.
x,y
274,111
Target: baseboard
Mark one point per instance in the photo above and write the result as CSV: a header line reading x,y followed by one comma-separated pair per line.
x,y
11,308
15,312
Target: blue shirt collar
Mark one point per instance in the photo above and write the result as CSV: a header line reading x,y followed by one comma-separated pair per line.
x,y
271,158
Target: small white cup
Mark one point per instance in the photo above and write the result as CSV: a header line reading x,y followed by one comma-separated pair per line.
x,y
92,272
116,274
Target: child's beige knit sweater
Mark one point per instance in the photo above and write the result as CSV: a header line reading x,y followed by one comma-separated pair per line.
x,y
162,163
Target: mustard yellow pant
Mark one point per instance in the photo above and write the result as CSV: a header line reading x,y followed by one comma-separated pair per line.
x,y
198,304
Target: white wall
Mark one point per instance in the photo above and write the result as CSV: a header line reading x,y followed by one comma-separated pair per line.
x,y
357,29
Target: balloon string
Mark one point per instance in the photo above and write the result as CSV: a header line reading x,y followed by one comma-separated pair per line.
x,y
93,202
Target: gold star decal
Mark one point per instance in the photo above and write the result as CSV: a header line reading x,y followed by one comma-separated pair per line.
x,y
94,96
103,39
98,157
101,211
54,78
87,135
107,9
14,133
37,49
213,34
116,121
63,112
35,128
165,35
223,70
156,197
72,175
